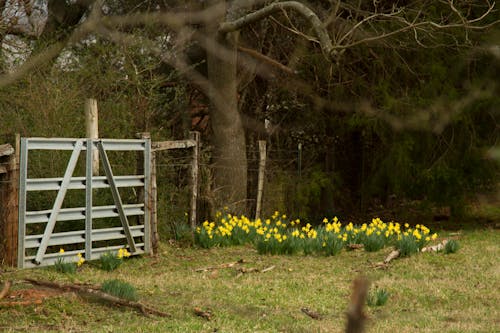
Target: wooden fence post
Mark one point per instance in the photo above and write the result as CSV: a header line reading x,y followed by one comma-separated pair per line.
x,y
153,193
194,178
153,205
92,130
260,185
9,214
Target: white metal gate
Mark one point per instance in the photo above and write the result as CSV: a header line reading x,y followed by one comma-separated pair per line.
x,y
40,240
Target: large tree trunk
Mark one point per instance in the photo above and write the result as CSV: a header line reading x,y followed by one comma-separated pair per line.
x,y
230,168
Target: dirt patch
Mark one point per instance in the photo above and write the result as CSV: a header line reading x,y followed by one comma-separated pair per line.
x,y
28,296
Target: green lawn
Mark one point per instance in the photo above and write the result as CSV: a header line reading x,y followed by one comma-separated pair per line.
x,y
429,292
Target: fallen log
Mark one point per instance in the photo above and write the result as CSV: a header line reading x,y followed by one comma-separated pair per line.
x,y
393,255
144,309
435,248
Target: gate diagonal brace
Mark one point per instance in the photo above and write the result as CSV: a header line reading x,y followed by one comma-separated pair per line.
x,y
58,202
116,197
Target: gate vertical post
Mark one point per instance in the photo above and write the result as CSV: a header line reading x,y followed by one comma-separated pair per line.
x,y
262,171
147,194
23,175
92,129
153,206
89,169
194,178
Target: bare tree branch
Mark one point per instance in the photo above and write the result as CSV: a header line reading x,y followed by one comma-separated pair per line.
x,y
303,10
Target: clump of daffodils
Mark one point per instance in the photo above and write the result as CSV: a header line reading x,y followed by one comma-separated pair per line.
x,y
110,261
68,267
282,235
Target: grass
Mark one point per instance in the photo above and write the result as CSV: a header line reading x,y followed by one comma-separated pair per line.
x,y
429,292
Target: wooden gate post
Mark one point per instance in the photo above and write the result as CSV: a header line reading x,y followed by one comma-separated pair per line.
x,y
153,206
195,136
92,130
260,185
9,209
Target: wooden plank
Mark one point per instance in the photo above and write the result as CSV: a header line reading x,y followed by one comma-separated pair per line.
x,y
176,144
6,150
3,169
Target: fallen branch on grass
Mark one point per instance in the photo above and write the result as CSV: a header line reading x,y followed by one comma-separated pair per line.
x,y
396,253
146,310
385,264
270,268
243,270
393,255
202,313
435,248
226,265
311,313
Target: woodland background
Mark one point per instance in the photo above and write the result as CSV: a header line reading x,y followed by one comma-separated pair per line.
x,y
397,127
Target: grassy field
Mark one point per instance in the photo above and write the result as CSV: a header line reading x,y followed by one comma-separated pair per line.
x,y
429,292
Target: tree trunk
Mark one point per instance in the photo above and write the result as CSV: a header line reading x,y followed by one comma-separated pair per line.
x,y
230,167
